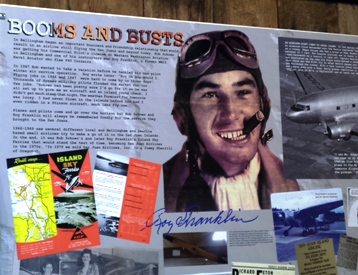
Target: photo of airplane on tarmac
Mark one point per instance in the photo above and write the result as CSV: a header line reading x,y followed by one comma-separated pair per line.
x,y
306,216
319,113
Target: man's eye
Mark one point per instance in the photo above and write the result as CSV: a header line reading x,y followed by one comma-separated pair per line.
x,y
209,95
244,92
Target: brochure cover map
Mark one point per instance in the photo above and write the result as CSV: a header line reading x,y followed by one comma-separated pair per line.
x,y
53,203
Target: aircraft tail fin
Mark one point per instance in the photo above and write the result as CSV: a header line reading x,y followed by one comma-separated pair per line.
x,y
311,82
64,189
58,174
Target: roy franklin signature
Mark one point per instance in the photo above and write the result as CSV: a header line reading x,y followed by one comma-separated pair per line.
x,y
188,220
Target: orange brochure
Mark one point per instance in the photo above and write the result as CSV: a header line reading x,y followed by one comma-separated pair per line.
x,y
53,203
126,191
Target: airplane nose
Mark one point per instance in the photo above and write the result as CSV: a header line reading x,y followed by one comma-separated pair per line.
x,y
291,114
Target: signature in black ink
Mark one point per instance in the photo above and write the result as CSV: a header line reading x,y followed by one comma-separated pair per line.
x,y
188,220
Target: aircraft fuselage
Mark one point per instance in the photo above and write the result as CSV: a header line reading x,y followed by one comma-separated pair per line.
x,y
326,106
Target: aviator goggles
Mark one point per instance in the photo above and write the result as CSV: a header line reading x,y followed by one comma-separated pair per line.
x,y
199,52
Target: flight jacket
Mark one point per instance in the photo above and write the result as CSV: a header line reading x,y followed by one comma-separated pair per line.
x,y
270,178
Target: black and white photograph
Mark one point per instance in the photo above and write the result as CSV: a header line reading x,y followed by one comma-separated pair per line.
x,y
306,216
319,111
111,163
109,176
197,248
94,261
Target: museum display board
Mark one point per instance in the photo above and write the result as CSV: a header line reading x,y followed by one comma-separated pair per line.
x,y
171,147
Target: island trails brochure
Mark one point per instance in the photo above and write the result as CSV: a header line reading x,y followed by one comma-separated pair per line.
x,y
53,203
126,191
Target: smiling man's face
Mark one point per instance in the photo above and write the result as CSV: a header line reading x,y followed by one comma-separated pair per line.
x,y
220,103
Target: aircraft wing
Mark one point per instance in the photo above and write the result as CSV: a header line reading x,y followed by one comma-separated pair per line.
x,y
77,182
316,210
59,175
352,122
86,185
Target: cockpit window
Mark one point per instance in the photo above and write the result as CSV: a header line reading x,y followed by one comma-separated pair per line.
x,y
299,107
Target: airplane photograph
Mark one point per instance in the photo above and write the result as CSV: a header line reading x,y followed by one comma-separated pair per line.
x,y
112,163
336,110
319,113
108,225
312,218
71,181
306,216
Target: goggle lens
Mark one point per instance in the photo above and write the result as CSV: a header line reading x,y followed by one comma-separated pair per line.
x,y
198,52
236,43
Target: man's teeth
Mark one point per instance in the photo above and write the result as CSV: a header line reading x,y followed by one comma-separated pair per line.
x,y
235,135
